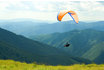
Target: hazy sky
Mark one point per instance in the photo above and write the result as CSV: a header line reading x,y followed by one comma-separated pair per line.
x,y
48,10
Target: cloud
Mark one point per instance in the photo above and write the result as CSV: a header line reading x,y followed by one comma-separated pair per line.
x,y
47,10
3,6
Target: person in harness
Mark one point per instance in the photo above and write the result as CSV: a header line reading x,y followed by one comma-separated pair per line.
x,y
67,44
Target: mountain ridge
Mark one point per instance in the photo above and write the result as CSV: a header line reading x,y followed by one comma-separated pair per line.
x,y
35,28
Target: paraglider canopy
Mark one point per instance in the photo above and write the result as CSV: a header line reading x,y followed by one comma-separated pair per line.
x,y
71,13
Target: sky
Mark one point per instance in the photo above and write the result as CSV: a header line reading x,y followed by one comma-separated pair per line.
x,y
47,10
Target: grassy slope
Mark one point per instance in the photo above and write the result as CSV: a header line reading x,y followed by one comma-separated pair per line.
x,y
13,65
7,51
96,53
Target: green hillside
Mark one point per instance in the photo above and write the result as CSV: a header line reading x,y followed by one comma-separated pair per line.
x,y
7,51
96,53
19,48
85,43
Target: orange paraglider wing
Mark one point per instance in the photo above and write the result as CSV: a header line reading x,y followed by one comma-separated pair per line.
x,y
71,13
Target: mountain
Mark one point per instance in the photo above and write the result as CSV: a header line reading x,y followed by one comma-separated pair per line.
x,y
21,27
19,48
86,43
8,51
31,28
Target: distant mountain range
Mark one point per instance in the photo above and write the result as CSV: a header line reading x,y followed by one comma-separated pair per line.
x,y
20,27
31,28
86,43
19,48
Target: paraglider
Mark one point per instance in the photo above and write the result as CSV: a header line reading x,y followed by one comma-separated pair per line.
x,y
73,16
71,13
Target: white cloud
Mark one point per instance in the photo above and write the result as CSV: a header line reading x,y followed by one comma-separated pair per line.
x,y
47,10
